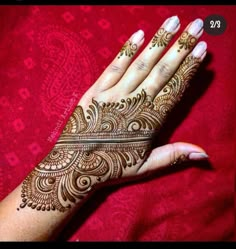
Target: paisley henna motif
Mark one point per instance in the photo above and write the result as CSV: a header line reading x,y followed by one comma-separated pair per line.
x,y
93,148
161,38
101,144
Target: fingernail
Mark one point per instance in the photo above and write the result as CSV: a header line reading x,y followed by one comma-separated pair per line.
x,y
199,49
171,24
195,27
137,36
198,156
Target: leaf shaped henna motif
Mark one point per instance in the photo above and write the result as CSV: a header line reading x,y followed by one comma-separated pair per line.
x,y
161,38
104,143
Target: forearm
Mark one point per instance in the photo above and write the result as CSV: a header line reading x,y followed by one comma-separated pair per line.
x,y
39,207
27,224
47,198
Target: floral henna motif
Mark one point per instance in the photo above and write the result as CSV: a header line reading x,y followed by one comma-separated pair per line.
x,y
161,38
101,144
186,41
128,49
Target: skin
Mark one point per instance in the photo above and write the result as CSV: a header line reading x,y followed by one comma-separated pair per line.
x,y
109,135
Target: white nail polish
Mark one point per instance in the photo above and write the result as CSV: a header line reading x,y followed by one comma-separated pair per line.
x,y
198,156
195,27
138,36
172,24
199,49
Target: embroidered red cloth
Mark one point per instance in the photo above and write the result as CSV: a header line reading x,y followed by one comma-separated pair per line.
x,y
50,55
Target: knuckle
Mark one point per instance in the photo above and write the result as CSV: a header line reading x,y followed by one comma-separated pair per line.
x,y
173,152
153,88
115,69
164,69
141,65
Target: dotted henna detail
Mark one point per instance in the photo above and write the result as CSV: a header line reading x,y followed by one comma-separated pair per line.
x,y
186,41
103,143
161,38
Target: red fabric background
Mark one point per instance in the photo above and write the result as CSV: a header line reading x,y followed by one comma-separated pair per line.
x,y
50,55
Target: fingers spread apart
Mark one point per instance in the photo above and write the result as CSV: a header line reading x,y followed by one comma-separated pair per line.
x,y
163,77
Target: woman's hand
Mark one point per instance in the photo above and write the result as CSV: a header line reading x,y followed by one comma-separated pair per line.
x,y
110,133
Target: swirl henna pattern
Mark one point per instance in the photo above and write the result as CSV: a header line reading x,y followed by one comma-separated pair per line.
x,y
161,38
128,49
105,143
186,41
174,89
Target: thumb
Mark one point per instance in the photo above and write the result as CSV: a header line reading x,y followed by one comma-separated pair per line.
x,y
171,154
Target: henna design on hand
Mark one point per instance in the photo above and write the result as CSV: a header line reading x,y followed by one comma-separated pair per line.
x,y
161,38
181,159
92,149
175,88
186,41
128,49
109,142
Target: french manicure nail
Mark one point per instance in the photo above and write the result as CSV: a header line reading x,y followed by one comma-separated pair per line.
x,y
137,36
198,156
172,24
195,27
199,49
